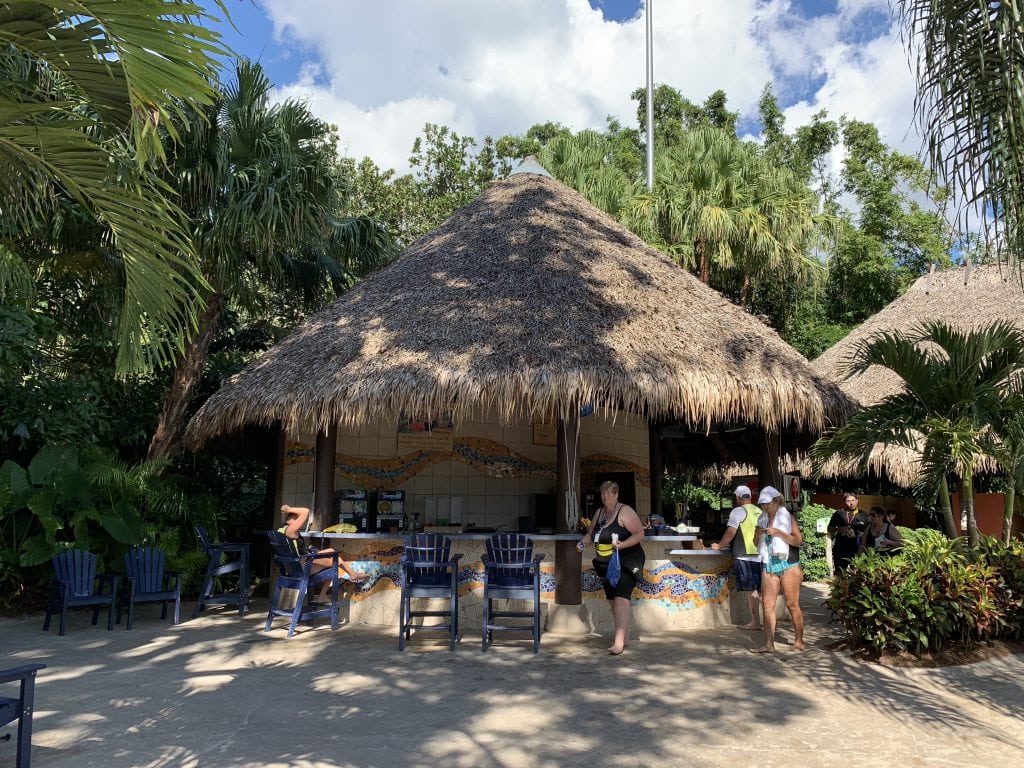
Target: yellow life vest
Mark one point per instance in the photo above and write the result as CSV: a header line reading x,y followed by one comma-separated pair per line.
x,y
747,528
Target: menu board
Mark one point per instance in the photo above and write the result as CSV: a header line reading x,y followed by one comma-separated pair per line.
x,y
425,432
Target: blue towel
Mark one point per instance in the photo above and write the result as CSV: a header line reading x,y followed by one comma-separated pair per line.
x,y
614,569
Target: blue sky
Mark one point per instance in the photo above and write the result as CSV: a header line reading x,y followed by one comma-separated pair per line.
x,y
381,70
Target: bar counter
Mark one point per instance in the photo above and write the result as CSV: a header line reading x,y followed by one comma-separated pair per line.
x,y
689,588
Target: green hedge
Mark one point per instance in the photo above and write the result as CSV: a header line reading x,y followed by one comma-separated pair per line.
x,y
935,594
812,556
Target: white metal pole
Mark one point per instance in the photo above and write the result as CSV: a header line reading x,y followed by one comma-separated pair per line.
x,y
650,98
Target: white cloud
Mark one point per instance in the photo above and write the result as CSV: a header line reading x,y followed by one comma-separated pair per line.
x,y
499,66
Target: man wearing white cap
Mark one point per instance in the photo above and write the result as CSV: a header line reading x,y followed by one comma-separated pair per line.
x,y
746,562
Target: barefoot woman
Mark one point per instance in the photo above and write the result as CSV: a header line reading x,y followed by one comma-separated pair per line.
x,y
777,532
622,521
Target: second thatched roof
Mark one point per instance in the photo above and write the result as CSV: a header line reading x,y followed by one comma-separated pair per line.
x,y
965,298
528,300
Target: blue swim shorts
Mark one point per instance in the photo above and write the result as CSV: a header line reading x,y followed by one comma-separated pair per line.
x,y
748,575
778,567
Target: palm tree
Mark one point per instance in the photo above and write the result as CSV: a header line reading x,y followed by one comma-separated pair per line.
x,y
955,388
86,88
718,204
970,105
586,162
260,191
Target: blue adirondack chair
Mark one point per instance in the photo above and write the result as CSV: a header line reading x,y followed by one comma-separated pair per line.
x,y
75,585
429,570
511,572
146,581
20,709
295,571
224,559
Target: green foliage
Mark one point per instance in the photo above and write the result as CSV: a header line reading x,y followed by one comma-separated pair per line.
x,y
448,173
812,554
677,488
85,89
970,107
80,498
936,593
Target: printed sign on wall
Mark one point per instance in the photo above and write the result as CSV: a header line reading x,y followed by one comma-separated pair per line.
x,y
425,432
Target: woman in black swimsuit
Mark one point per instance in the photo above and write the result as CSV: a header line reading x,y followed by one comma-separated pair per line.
x,y
622,521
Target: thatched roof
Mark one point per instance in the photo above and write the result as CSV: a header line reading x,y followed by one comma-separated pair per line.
x,y
964,298
527,300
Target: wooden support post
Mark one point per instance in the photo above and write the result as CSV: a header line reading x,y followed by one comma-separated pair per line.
x,y
769,448
656,466
323,478
568,584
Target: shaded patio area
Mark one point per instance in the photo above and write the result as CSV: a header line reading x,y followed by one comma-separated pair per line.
x,y
216,691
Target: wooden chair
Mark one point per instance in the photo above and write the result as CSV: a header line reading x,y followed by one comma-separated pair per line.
x,y
429,570
20,708
75,585
511,572
295,571
146,581
224,559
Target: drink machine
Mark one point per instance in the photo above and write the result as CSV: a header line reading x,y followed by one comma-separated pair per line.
x,y
390,511
354,508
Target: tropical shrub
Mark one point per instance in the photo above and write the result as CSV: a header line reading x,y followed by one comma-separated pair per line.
x,y
84,498
935,594
812,556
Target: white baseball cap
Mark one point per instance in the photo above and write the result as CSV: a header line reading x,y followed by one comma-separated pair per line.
x,y
742,492
768,494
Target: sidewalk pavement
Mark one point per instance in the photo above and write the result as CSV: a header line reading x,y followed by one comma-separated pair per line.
x,y
217,691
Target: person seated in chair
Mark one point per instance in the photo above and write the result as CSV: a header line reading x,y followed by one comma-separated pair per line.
x,y
294,522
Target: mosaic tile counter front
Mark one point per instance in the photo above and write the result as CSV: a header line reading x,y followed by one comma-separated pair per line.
x,y
677,592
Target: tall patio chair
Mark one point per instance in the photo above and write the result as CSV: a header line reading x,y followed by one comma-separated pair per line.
x,y
20,708
147,581
511,572
429,570
76,585
224,559
295,571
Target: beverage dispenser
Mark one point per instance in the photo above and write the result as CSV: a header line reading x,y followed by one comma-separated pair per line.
x,y
390,511
354,508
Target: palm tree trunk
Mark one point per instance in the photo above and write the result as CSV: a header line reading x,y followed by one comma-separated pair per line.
x,y
972,523
187,373
1008,501
745,291
704,261
947,509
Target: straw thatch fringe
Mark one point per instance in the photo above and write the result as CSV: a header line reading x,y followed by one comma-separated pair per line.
x,y
967,299
528,301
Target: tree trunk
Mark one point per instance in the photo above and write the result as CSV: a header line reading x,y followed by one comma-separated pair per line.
x,y
745,291
1008,501
166,440
705,263
972,523
947,509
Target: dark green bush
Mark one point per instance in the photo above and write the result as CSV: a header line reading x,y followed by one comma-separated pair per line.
x,y
936,593
812,556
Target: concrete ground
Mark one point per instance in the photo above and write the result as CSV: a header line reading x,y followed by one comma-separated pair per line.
x,y
217,691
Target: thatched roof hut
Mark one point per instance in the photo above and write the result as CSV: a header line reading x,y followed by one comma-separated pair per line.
x,y
966,298
527,300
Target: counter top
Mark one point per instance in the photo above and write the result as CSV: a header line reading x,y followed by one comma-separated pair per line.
x,y
702,552
482,536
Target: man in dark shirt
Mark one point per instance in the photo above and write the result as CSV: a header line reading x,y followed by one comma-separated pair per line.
x,y
846,527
